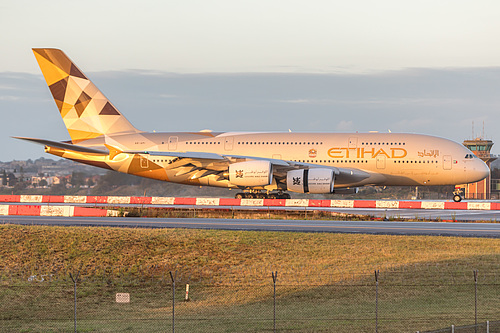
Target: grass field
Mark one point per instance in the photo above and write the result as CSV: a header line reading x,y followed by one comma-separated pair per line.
x,y
325,281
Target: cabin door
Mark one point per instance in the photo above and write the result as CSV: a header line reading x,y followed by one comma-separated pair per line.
x,y
381,162
353,142
172,143
447,162
144,162
228,143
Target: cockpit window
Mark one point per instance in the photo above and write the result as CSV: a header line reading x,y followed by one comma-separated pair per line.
x,y
470,156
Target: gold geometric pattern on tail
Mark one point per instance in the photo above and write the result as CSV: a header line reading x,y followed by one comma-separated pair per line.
x,y
86,112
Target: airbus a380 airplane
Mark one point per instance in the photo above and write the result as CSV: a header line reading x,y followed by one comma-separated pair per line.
x,y
257,163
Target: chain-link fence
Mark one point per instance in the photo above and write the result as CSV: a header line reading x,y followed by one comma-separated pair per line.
x,y
174,301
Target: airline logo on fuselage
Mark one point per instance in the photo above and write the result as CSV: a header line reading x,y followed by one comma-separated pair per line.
x,y
430,153
367,152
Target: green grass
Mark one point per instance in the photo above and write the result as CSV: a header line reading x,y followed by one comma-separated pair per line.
x,y
325,281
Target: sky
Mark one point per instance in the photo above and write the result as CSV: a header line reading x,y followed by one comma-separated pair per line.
x,y
429,67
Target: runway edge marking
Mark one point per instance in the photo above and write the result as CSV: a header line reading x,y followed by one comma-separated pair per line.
x,y
65,211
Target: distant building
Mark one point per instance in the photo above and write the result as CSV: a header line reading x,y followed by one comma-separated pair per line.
x,y
482,189
8,179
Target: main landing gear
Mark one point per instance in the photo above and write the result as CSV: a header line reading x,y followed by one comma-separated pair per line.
x,y
457,194
262,195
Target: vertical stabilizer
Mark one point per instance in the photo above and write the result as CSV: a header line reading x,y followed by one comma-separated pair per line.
x,y
86,112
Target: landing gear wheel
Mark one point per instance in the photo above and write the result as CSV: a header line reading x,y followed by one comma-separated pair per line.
x,y
257,195
457,198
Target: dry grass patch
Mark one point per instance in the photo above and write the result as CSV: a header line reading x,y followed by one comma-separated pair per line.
x,y
244,256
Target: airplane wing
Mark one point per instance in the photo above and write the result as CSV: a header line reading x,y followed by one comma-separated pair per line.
x,y
188,154
194,162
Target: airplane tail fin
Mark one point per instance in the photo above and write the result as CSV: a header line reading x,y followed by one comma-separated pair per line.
x,y
86,112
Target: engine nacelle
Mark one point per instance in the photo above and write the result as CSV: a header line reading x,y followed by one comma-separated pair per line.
x,y
310,181
251,173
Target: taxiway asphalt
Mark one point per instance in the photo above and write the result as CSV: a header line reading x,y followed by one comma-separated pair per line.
x,y
460,229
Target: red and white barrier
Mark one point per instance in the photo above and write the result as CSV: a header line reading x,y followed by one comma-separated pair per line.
x,y
38,210
175,201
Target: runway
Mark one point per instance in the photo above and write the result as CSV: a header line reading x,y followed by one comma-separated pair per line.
x,y
491,230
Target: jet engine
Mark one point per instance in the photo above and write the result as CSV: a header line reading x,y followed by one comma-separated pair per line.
x,y
251,173
310,180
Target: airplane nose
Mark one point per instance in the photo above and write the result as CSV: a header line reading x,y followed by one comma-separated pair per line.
x,y
485,170
480,171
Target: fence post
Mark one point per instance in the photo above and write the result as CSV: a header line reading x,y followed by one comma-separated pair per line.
x,y
173,278
377,272
275,277
75,280
475,301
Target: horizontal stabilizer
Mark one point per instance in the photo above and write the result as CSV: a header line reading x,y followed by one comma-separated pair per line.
x,y
66,146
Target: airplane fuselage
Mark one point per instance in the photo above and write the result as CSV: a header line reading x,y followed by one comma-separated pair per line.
x,y
391,159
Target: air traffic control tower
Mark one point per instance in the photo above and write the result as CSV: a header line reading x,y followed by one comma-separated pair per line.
x,y
482,189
